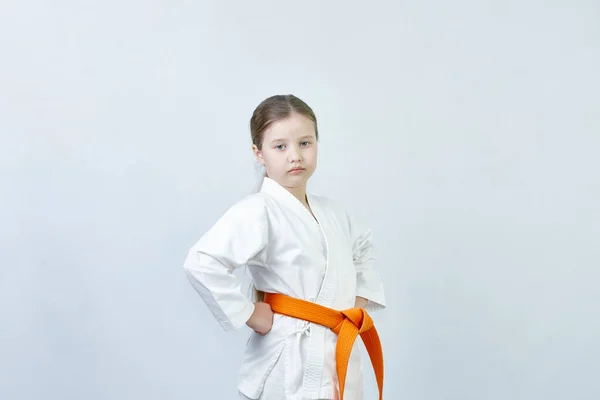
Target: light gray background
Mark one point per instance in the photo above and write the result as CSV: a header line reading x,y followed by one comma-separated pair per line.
x,y
465,133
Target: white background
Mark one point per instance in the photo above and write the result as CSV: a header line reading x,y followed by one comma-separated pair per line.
x,y
465,133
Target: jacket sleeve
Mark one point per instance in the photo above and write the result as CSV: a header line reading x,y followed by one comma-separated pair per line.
x,y
368,282
238,238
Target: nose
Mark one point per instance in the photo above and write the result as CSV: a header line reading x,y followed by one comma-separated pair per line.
x,y
294,154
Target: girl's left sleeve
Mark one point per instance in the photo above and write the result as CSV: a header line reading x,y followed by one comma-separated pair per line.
x,y
368,282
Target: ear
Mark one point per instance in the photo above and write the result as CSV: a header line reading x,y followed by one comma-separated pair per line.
x,y
258,154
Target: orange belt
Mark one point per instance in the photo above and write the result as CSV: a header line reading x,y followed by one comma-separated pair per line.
x,y
346,324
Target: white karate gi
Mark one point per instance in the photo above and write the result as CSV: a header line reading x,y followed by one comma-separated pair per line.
x,y
287,251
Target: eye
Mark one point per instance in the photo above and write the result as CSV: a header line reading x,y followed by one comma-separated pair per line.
x,y
305,143
280,146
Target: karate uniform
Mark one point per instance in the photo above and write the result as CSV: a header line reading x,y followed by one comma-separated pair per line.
x,y
327,260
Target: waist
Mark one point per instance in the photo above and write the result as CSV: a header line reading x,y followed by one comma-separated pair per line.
x,y
347,324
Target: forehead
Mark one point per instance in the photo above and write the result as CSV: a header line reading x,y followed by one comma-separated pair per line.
x,y
294,126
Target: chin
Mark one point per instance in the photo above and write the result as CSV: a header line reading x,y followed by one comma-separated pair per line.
x,y
300,179
297,180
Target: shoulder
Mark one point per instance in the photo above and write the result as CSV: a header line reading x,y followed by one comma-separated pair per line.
x,y
247,210
252,205
328,202
332,206
242,222
341,213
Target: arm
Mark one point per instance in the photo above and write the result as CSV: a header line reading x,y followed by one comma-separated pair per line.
x,y
369,288
238,237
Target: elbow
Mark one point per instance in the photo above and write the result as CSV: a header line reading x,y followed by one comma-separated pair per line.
x,y
191,265
198,265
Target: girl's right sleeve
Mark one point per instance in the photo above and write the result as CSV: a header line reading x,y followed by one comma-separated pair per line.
x,y
239,237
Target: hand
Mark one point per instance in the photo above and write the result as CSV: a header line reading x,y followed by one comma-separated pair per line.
x,y
261,320
360,302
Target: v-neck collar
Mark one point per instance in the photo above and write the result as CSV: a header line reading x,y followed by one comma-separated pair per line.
x,y
271,187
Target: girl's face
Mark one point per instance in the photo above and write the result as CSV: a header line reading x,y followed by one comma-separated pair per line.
x,y
289,151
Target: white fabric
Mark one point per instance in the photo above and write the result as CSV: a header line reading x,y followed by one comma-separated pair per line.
x,y
287,251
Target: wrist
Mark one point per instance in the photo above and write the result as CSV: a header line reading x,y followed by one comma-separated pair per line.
x,y
360,302
252,316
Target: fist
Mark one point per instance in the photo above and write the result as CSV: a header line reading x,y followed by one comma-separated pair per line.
x,y
261,320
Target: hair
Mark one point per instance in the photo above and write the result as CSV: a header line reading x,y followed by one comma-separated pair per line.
x,y
269,111
276,108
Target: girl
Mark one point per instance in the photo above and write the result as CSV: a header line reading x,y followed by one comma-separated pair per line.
x,y
308,259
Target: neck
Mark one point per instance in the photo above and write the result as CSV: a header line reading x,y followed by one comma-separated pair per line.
x,y
299,193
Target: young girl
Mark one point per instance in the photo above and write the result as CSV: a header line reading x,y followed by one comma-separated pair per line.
x,y
312,267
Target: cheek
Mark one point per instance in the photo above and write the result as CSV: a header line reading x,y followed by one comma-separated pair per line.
x,y
312,154
272,157
267,154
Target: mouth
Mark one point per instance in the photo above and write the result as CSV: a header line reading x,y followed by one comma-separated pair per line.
x,y
296,170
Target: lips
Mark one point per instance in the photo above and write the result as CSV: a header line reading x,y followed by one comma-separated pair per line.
x,y
296,169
